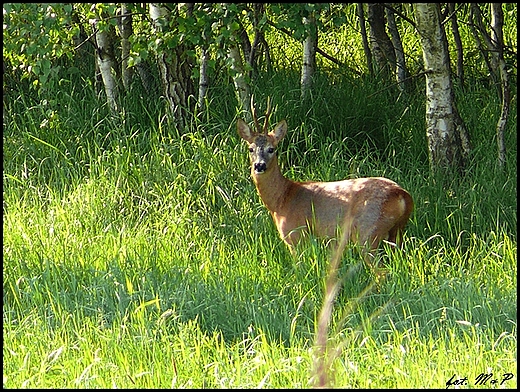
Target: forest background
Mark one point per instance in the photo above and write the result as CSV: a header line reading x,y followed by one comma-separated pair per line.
x,y
137,252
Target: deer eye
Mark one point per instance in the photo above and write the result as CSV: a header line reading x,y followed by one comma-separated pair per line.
x,y
270,150
251,149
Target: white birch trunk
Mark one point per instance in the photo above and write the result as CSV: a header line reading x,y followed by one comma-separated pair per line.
x,y
106,63
126,31
497,38
239,80
175,69
442,119
159,16
203,79
309,56
157,13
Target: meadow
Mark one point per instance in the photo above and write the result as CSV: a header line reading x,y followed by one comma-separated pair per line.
x,y
139,257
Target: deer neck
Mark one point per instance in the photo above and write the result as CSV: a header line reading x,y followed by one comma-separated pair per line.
x,y
272,186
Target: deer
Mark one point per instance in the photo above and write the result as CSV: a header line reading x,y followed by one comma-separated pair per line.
x,y
375,209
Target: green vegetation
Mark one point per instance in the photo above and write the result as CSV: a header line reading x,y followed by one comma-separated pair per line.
x,y
137,257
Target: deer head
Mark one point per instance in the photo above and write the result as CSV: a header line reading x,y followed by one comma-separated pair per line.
x,y
262,144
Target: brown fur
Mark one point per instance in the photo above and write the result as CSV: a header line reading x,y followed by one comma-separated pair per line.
x,y
376,208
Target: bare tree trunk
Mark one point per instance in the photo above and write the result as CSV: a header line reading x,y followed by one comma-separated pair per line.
x,y
401,72
477,28
381,45
458,43
203,78
239,80
366,46
247,48
497,38
309,55
125,28
259,44
106,62
448,141
493,53
175,69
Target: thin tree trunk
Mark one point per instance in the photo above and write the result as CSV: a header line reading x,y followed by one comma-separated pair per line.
x,y
125,28
247,48
458,43
203,78
448,142
477,28
504,113
175,70
146,77
239,80
106,63
309,55
381,45
497,38
259,44
401,72
364,38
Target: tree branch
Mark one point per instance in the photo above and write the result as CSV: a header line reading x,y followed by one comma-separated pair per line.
x,y
318,50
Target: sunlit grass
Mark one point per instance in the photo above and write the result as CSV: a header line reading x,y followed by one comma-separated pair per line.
x,y
137,257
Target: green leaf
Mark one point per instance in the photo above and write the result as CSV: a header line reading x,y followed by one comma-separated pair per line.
x,y
234,26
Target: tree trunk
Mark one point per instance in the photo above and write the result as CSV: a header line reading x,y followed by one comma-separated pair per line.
x,y
240,82
497,38
364,38
259,44
458,43
401,72
381,45
125,28
309,55
106,63
175,69
494,45
478,30
203,78
247,48
448,142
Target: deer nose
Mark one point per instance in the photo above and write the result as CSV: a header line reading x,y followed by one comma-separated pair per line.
x,y
260,167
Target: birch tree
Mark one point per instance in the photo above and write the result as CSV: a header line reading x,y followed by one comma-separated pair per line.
x,y
309,54
239,79
497,48
448,142
491,45
174,63
125,29
203,77
105,57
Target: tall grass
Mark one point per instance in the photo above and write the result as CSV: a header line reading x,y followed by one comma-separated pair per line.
x,y
135,256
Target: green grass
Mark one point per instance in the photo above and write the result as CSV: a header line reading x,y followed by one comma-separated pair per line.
x,y
137,257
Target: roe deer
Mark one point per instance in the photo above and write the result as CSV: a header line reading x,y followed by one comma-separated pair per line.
x,y
375,208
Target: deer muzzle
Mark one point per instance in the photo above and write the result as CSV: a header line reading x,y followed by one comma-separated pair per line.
x,y
260,167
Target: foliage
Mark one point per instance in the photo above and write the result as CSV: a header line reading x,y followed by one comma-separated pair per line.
x,y
37,36
138,257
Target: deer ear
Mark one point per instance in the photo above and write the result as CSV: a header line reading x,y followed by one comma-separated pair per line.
x,y
279,131
244,131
